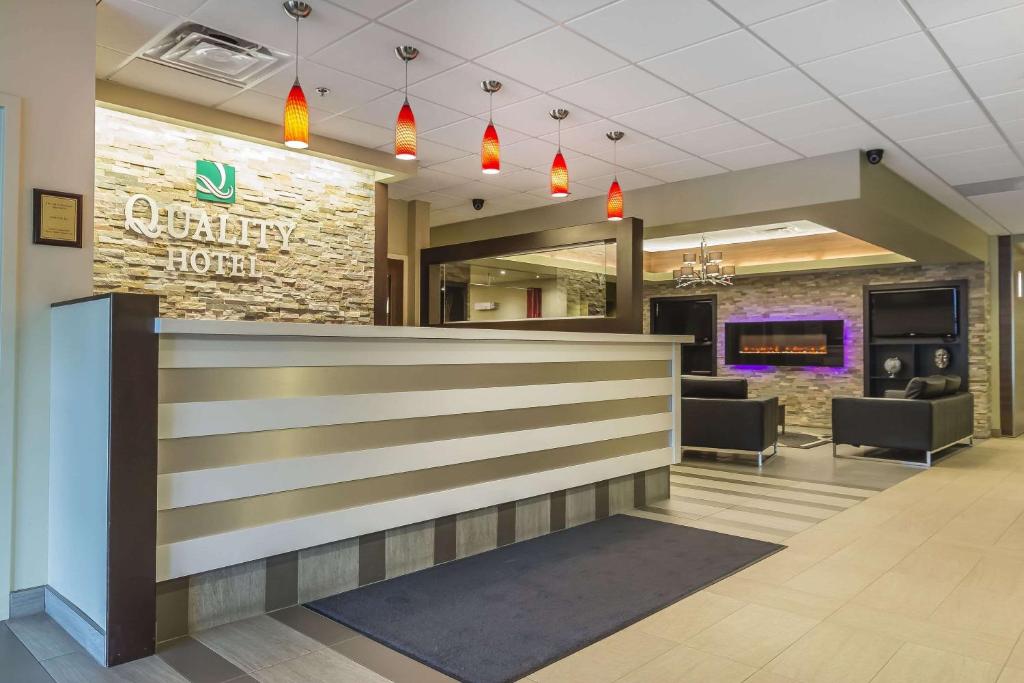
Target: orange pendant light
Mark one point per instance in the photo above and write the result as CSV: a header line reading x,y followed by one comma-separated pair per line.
x,y
405,124
490,146
296,119
559,170
296,110
614,206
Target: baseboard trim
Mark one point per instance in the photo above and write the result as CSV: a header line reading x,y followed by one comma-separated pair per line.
x,y
26,602
84,630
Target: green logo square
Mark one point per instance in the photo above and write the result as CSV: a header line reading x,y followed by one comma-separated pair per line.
x,y
215,182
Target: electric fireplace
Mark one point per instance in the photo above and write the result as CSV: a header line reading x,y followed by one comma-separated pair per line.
x,y
785,342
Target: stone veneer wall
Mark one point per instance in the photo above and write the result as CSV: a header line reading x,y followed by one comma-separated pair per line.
x,y
325,276
807,392
194,603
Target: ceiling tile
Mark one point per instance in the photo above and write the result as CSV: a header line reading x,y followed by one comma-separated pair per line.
x,y
180,7
1005,107
780,90
370,53
467,134
628,180
577,190
266,23
1014,130
986,37
804,120
107,61
750,12
356,132
453,215
618,91
649,153
938,12
829,28
552,59
676,116
563,10
430,152
126,25
582,167
933,121
164,80
469,167
384,110
430,180
916,94
877,65
459,88
685,169
977,165
268,108
468,28
726,59
475,188
437,200
715,139
1005,207
368,8
347,91
860,136
532,116
533,153
523,180
951,143
997,76
749,157
638,29
591,138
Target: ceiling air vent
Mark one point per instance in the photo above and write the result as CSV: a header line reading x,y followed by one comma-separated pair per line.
x,y
213,54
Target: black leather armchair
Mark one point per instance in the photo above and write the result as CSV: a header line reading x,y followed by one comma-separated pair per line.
x,y
931,415
717,415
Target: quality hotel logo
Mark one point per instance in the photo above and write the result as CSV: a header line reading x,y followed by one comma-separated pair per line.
x,y
215,182
246,236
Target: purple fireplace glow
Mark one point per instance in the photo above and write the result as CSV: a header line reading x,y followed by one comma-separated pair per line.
x,y
787,343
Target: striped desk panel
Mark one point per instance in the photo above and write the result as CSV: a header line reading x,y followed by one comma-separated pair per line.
x,y
270,445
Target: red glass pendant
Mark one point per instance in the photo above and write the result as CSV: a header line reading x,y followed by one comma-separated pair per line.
x,y
615,201
405,133
559,176
490,151
296,118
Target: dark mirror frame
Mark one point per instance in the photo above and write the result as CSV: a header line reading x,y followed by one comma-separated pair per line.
x,y
628,235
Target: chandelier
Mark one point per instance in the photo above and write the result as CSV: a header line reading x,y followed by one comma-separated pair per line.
x,y
703,268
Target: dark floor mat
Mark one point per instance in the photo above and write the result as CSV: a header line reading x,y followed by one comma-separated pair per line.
x,y
500,615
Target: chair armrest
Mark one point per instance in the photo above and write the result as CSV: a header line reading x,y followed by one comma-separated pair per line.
x,y
882,422
953,418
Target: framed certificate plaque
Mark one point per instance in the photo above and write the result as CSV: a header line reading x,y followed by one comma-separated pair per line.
x,y
56,218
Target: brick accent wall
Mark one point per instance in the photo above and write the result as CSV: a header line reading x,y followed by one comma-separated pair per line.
x,y
808,392
326,273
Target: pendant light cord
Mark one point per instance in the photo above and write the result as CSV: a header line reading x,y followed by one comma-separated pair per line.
x,y
296,49
406,81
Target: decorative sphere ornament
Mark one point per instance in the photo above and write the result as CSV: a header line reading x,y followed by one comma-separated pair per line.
x,y
893,365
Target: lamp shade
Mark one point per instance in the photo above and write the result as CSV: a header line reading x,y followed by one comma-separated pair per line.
x,y
615,201
490,151
714,256
728,270
296,118
689,258
559,176
405,133
711,269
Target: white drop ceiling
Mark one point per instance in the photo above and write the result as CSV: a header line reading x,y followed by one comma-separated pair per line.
x,y
699,86
754,233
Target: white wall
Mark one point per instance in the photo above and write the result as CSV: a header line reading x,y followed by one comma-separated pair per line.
x,y
47,58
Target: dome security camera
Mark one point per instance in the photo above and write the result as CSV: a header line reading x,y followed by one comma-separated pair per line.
x,y
874,156
478,203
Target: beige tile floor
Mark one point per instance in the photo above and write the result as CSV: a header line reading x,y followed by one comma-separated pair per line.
x,y
923,581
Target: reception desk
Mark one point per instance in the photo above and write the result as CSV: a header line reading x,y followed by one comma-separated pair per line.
x,y
220,469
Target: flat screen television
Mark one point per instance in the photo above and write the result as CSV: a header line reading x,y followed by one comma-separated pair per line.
x,y
915,313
